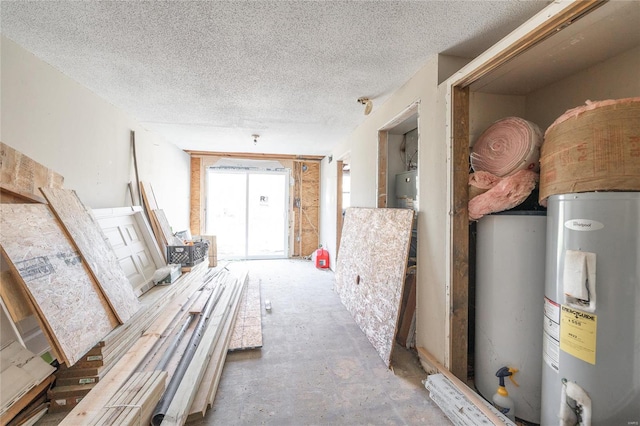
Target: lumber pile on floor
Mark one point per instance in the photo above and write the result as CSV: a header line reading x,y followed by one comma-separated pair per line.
x,y
161,348
74,383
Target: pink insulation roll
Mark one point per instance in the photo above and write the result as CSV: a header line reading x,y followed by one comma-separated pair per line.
x,y
508,145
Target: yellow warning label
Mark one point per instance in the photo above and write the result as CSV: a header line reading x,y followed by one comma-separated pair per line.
x,y
578,334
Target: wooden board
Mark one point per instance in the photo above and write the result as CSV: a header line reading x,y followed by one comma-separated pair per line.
x,y
95,250
370,271
247,332
459,291
67,301
196,198
165,228
23,175
14,297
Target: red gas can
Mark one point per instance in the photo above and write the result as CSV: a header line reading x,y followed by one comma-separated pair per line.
x,y
322,258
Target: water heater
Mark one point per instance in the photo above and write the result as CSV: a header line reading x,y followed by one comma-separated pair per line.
x,y
509,291
591,330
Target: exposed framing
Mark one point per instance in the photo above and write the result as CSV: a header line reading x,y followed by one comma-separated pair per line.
x,y
339,219
551,20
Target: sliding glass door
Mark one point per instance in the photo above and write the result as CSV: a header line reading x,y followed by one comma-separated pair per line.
x,y
247,212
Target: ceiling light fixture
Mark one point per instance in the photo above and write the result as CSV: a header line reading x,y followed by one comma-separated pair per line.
x,y
368,104
255,139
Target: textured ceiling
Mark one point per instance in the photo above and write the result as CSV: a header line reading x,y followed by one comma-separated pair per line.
x,y
206,75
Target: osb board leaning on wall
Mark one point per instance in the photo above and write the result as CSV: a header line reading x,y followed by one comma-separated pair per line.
x,y
370,271
69,304
80,223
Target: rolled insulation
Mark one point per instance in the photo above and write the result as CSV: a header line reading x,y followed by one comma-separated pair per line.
x,y
508,145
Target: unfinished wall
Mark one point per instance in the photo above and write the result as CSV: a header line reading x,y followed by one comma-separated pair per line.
x,y
69,129
362,148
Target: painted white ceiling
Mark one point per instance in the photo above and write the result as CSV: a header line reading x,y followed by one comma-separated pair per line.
x,y
206,75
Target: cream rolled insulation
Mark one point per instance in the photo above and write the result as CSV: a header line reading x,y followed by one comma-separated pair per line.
x,y
508,145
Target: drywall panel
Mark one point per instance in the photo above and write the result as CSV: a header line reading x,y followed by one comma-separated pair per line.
x,y
67,128
371,270
614,78
57,281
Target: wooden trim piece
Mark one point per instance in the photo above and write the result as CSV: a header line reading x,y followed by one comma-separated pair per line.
x,y
383,138
339,219
255,156
549,27
15,297
460,385
460,235
196,196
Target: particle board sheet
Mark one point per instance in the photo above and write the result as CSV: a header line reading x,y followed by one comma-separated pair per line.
x,y
95,250
370,271
67,301
247,332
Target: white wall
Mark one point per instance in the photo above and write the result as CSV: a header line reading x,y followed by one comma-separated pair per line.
x,y
69,129
614,78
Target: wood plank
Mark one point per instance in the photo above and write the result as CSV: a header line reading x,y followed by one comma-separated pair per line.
x,y
90,406
178,410
383,138
210,380
195,202
149,201
459,294
95,250
165,228
58,284
370,271
15,298
408,311
255,156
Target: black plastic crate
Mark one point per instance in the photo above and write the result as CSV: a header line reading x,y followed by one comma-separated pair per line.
x,y
188,255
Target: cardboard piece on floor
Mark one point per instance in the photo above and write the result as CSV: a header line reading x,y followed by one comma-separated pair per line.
x,y
370,271
95,250
68,303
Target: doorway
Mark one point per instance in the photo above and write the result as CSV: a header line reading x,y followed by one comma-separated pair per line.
x,y
247,211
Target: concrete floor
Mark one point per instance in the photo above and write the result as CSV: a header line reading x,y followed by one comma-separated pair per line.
x,y
316,367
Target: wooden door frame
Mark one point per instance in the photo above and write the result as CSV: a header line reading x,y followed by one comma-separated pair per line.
x,y
556,17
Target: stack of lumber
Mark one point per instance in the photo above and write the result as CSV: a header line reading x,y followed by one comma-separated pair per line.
x,y
160,349
74,383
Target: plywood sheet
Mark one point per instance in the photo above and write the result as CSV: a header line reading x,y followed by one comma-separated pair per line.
x,y
57,281
95,249
370,271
